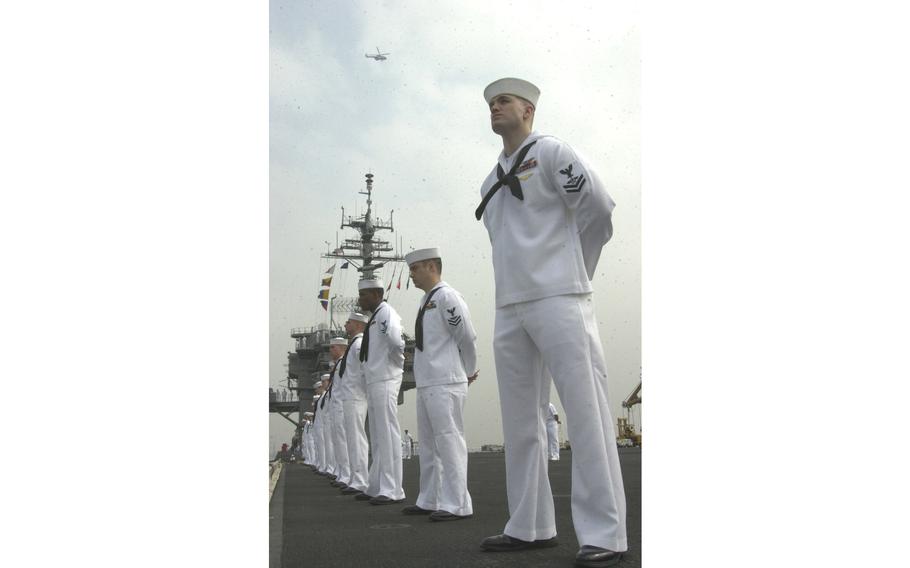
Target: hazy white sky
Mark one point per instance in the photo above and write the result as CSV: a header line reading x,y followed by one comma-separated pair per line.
x,y
419,123
135,219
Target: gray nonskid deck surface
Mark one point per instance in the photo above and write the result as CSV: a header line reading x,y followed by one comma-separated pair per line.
x,y
321,527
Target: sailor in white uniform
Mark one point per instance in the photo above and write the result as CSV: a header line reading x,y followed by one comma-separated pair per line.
x,y
314,453
304,424
353,391
337,347
445,360
314,435
382,356
323,415
318,426
325,411
407,445
552,432
548,216
308,438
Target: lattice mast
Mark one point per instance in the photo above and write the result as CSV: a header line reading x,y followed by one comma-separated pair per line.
x,y
365,252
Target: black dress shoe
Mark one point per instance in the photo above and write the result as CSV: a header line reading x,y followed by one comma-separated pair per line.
x,y
362,497
383,500
594,557
338,484
504,543
415,510
447,516
350,491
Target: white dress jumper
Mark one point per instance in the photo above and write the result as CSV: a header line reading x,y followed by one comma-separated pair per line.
x,y
545,250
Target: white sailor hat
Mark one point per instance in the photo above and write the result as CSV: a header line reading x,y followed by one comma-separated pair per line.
x,y
421,254
339,341
370,284
512,86
307,413
317,384
357,316
326,377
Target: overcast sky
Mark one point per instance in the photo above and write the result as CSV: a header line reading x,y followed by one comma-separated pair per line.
x,y
419,123
135,226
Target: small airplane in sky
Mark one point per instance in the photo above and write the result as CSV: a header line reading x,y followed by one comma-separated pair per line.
x,y
378,57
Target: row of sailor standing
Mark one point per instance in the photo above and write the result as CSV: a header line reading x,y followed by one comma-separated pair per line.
x,y
366,374
365,377
546,233
336,437
281,395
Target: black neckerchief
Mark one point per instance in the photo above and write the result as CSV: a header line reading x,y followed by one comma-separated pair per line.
x,y
509,179
344,359
365,343
328,393
418,325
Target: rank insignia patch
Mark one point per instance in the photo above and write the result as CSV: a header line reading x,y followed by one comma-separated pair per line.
x,y
532,163
574,183
385,326
454,320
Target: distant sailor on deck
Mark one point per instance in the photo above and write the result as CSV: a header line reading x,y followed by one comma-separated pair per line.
x,y
552,432
382,356
353,391
307,438
407,445
548,216
445,360
337,348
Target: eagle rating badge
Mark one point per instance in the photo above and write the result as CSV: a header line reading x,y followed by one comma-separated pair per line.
x,y
574,183
453,320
